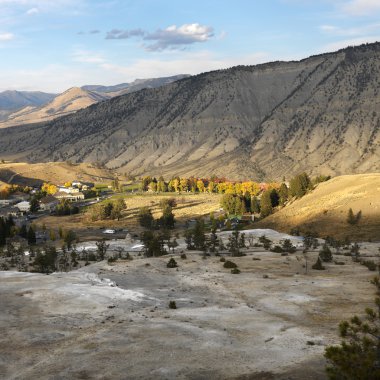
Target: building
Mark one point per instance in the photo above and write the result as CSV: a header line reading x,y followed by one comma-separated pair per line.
x,y
10,210
48,203
23,206
7,202
67,190
74,197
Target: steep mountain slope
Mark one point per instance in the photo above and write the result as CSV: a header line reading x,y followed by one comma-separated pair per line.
x,y
265,121
68,102
14,100
325,209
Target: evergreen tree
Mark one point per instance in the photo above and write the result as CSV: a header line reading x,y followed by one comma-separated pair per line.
x,y
31,236
325,254
34,204
23,231
358,356
283,194
274,197
199,235
255,205
145,218
266,204
299,185
234,243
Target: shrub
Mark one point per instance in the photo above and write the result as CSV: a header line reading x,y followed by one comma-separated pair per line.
x,y
222,259
276,249
183,256
229,264
371,265
172,263
287,246
111,260
325,254
318,265
235,271
172,305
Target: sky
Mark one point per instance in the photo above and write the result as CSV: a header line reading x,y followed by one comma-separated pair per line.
x,y
52,45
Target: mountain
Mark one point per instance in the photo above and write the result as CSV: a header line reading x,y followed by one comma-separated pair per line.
x,y
325,209
319,115
14,100
136,85
68,102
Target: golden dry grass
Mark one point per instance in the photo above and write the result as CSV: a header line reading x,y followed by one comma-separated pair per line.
x,y
325,209
188,206
55,172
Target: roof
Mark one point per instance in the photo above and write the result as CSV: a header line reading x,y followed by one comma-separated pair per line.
x,y
23,203
48,199
68,195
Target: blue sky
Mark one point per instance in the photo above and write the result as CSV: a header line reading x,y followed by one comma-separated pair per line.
x,y
51,45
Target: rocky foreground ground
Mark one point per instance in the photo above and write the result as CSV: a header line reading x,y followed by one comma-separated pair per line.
x,y
271,321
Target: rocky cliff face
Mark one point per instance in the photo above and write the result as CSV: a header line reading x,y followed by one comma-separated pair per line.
x,y
266,121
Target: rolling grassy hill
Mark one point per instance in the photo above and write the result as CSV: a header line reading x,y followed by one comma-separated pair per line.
x,y
325,209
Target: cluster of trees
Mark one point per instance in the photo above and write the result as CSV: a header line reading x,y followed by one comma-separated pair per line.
x,y
8,230
196,239
166,221
8,190
49,188
155,243
202,185
264,200
65,207
108,210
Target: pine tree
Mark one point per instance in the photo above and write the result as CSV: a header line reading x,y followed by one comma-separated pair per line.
x,y
266,204
283,194
31,236
255,205
358,356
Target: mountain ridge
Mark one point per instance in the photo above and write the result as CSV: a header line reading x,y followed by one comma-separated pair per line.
x,y
265,121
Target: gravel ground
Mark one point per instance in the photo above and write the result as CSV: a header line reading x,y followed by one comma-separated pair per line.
x,y
103,321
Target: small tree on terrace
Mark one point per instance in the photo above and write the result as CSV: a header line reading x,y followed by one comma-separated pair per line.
x,y
102,248
233,244
145,218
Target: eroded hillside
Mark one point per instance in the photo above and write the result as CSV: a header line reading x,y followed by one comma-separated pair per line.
x,y
266,121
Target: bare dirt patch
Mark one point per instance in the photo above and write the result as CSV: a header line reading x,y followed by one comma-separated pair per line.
x,y
76,325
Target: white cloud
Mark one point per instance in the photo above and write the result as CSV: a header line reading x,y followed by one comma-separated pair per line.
x,y
32,11
172,37
6,36
361,7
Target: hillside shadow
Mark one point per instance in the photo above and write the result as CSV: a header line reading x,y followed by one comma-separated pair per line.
x,y
13,178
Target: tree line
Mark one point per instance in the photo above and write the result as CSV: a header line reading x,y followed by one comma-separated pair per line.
x,y
265,201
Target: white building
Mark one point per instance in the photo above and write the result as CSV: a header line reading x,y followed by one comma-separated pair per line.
x,y
23,206
72,197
